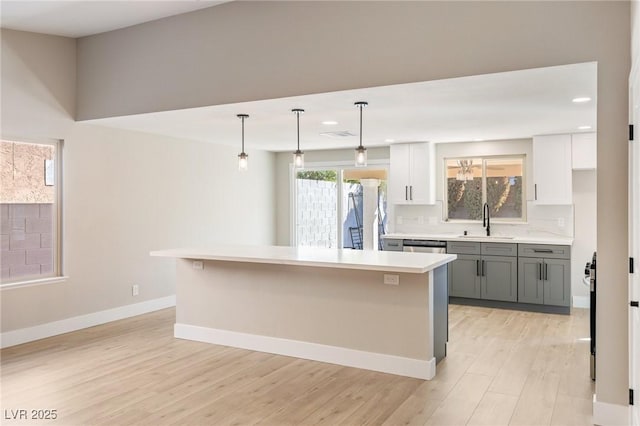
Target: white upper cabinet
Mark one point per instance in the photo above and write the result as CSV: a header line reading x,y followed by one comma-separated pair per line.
x,y
552,169
412,173
583,151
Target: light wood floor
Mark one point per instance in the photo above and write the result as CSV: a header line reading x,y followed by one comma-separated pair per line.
x,y
503,367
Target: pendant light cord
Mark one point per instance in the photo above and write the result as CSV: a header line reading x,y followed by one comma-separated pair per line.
x,y
360,106
298,125
242,118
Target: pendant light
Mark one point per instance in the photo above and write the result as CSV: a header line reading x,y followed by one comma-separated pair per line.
x,y
243,158
361,151
298,156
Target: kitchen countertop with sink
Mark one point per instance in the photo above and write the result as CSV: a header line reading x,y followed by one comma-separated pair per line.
x,y
519,239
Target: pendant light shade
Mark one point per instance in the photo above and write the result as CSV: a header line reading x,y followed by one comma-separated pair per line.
x,y
361,151
243,158
298,156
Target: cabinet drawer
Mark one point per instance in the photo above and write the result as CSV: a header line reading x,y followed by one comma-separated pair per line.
x,y
499,249
463,247
544,250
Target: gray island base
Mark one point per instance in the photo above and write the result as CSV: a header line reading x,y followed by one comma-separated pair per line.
x,y
320,304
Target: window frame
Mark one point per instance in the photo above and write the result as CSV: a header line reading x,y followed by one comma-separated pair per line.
x,y
484,158
57,275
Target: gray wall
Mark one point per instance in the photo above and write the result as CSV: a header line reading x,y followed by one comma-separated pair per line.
x,y
125,193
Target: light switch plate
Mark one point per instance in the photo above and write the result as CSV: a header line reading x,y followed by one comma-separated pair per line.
x,y
198,264
561,222
399,220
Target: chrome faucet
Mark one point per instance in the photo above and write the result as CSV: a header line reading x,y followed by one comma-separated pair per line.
x,y
486,218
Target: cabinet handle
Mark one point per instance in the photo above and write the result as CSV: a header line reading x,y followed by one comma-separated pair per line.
x,y
535,191
546,272
478,268
406,193
483,272
411,192
542,251
539,265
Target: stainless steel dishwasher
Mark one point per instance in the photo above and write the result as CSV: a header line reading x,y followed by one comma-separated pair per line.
x,y
424,246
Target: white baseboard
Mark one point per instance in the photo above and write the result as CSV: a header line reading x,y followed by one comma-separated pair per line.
x,y
606,414
581,302
24,335
409,367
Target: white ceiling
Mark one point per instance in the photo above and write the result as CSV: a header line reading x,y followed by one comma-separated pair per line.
x,y
79,18
508,105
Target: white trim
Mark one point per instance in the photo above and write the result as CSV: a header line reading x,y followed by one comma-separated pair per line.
x,y
30,283
606,414
581,302
24,335
409,367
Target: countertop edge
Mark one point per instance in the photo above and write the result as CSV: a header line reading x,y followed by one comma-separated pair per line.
x,y
178,253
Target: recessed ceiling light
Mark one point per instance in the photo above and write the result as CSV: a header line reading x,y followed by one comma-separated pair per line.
x,y
584,127
389,140
330,123
581,100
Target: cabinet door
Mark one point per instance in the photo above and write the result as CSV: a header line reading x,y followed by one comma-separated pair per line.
x,y
464,277
422,173
557,282
552,169
530,289
499,278
399,174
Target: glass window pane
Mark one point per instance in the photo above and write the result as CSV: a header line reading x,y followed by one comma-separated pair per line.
x,y
464,188
316,208
355,203
504,187
27,203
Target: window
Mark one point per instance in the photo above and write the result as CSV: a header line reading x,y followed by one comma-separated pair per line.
x,y
498,181
29,210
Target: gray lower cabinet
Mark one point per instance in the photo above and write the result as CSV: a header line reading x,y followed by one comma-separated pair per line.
x,y
484,277
464,276
499,280
544,281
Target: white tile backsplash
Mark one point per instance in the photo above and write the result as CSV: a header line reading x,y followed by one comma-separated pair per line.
x,y
541,221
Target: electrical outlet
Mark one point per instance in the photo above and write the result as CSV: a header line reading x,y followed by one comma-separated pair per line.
x,y
135,290
391,279
399,220
421,220
561,222
198,264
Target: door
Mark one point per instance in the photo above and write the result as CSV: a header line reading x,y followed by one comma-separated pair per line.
x,y
556,277
530,280
634,245
464,277
499,278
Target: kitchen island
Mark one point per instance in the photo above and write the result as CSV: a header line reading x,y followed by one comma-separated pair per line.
x,y
375,310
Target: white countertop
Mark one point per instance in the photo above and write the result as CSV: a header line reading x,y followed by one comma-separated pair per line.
x,y
563,241
319,257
